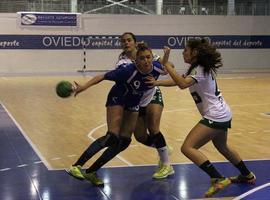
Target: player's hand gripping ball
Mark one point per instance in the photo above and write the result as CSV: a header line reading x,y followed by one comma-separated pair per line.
x,y
64,89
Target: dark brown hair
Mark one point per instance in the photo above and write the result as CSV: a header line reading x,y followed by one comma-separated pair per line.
x,y
133,37
143,46
129,33
207,56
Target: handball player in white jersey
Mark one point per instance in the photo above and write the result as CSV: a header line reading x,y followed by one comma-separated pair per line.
x,y
200,78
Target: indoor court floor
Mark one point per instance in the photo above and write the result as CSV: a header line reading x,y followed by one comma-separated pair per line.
x,y
42,134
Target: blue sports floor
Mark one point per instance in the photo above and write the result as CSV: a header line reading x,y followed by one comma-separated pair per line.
x,y
23,176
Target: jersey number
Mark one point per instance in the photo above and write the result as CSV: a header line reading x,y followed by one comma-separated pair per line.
x,y
136,84
198,99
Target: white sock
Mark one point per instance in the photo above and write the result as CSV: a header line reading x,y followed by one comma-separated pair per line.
x,y
163,155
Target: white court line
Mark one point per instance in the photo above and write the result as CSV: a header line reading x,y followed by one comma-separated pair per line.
x,y
265,114
24,165
57,158
27,138
251,191
73,155
5,169
174,197
237,77
92,138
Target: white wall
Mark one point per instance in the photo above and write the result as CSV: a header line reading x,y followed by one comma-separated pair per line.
x,y
39,61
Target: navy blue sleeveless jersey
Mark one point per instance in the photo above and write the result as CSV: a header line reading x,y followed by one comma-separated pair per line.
x,y
130,85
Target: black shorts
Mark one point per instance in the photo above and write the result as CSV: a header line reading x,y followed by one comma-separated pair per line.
x,y
216,125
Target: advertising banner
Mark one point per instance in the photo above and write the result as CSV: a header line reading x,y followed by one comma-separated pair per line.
x,y
33,19
67,42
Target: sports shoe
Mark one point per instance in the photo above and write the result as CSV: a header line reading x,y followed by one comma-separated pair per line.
x,y
251,178
163,172
76,172
217,184
160,163
93,178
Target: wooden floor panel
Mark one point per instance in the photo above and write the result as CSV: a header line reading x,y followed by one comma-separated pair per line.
x,y
60,129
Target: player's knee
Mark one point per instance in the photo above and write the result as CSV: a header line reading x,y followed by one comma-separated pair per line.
x,y
159,140
186,149
153,127
108,140
124,143
140,137
148,140
183,149
223,149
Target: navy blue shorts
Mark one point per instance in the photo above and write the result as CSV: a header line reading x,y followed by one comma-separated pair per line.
x,y
119,95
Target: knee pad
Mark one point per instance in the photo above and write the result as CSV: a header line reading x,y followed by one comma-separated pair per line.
x,y
149,141
108,140
159,140
124,143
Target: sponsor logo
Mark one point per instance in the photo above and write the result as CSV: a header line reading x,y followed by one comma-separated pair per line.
x,y
28,19
114,99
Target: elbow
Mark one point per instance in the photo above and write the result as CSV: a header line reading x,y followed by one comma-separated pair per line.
x,y
181,87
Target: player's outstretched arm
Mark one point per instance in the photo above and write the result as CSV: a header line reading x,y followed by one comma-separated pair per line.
x,y
167,83
95,80
181,82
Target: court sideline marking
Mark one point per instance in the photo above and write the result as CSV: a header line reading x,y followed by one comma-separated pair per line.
x,y
251,191
27,138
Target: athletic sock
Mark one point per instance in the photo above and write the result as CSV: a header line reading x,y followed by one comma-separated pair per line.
x,y
161,147
242,168
208,168
163,155
121,144
96,146
89,153
106,156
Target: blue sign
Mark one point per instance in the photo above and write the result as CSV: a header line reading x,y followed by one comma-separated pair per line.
x,y
48,19
113,41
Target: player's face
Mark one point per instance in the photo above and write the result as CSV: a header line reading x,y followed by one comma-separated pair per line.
x,y
128,44
144,61
187,55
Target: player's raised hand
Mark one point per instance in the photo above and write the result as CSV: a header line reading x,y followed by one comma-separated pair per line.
x,y
166,55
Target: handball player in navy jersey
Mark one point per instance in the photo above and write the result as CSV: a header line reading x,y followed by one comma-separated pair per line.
x,y
122,108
